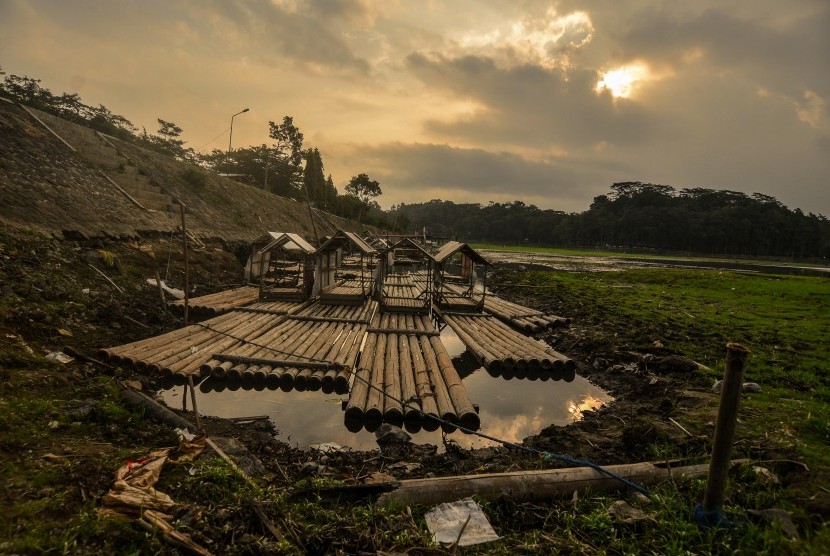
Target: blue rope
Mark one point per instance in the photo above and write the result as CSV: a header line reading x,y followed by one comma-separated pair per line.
x,y
549,456
506,443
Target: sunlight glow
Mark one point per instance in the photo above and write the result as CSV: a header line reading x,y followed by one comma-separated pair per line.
x,y
544,40
622,82
588,403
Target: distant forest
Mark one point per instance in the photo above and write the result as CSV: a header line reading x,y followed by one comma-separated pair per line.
x,y
640,216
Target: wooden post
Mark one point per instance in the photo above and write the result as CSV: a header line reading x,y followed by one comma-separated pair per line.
x,y
736,356
193,400
161,292
186,266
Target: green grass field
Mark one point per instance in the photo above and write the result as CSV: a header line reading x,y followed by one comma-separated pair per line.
x,y
566,252
784,320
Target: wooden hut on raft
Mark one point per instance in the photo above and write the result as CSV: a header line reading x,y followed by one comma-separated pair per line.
x,y
344,270
283,265
405,278
456,277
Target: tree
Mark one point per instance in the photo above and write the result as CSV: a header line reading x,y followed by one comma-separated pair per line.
x,y
167,141
321,192
363,188
288,171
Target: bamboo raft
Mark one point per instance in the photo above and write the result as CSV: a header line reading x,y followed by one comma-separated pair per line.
x,y
454,297
521,317
218,303
347,292
181,353
564,374
309,350
500,347
401,293
281,307
403,357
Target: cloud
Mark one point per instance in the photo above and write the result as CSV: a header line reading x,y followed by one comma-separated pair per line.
x,y
304,35
467,100
531,105
543,39
407,171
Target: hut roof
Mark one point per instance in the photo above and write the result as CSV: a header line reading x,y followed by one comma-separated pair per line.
x,y
378,243
294,242
409,244
342,237
452,247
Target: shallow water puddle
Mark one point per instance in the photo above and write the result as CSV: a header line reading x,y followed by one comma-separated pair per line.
x,y
511,408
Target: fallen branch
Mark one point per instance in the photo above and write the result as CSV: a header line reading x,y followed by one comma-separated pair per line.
x,y
263,518
106,277
152,522
232,463
681,427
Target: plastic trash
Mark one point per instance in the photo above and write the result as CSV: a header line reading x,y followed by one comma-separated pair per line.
x,y
60,357
464,517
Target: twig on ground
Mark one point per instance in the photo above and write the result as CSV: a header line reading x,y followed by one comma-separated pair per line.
x,y
106,277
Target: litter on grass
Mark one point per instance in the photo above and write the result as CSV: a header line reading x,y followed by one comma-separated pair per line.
x,y
462,517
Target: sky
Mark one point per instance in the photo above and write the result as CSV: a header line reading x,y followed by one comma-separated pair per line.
x,y
546,102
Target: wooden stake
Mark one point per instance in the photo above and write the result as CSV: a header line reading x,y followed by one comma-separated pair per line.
x,y
736,356
193,400
161,291
186,266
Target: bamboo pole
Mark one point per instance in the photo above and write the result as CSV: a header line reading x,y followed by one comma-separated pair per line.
x,y
374,401
531,485
467,415
488,358
393,411
426,395
360,386
194,359
408,391
186,265
442,397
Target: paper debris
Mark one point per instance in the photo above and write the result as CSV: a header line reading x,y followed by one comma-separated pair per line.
x,y
446,521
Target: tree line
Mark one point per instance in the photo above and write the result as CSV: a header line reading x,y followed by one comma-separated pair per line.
x,y
284,167
638,216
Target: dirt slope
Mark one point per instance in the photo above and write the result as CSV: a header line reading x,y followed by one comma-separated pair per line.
x,y
48,187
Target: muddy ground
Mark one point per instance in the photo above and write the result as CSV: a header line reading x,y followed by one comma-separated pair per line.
x,y
54,295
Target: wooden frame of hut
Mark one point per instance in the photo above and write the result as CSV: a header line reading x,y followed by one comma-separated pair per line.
x,y
344,270
409,291
457,292
378,243
283,265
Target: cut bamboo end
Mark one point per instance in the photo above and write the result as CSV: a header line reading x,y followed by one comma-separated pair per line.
x,y
373,416
470,420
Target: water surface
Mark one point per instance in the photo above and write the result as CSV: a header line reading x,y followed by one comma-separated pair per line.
x,y
510,408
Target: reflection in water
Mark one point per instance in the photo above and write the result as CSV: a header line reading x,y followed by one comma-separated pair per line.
x,y
588,403
511,407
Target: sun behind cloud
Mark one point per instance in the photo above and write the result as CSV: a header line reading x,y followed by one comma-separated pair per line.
x,y
623,81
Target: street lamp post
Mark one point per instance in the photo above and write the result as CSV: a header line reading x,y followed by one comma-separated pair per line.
x,y
230,139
